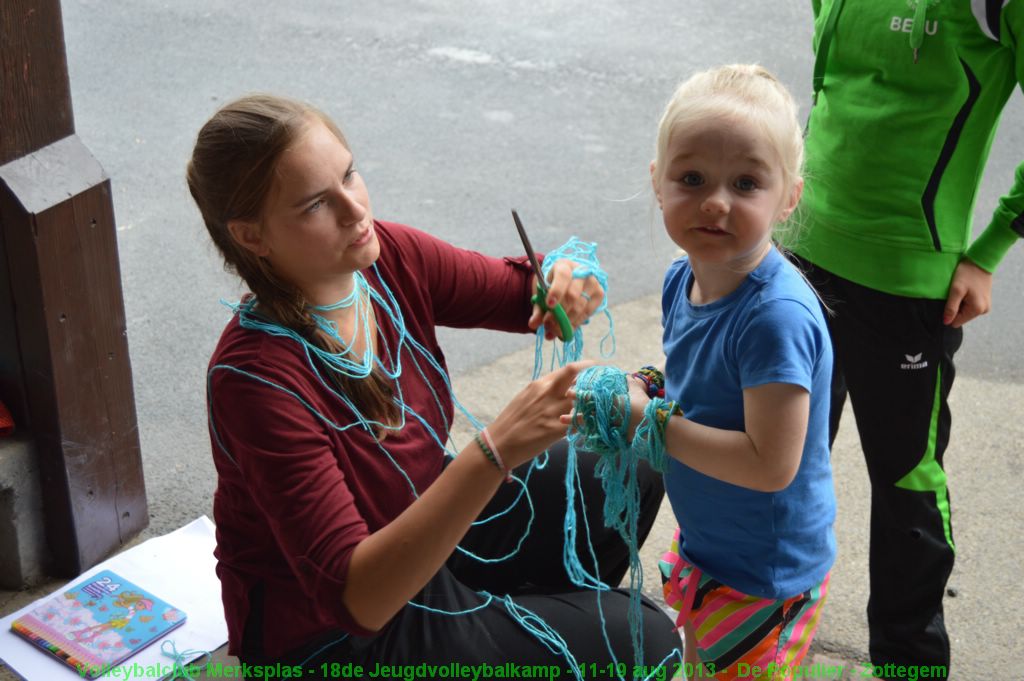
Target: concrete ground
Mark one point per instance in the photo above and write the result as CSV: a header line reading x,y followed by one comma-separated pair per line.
x,y
984,464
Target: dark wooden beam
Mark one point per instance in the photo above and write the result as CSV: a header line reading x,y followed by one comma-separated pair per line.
x,y
35,95
70,382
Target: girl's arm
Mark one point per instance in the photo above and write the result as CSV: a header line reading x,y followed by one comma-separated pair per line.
x,y
774,354
764,456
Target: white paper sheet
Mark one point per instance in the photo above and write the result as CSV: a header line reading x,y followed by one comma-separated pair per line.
x,y
179,568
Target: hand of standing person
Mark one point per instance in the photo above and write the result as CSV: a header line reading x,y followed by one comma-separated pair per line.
x,y
970,294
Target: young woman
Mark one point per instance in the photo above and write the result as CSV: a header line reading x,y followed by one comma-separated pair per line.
x,y
338,518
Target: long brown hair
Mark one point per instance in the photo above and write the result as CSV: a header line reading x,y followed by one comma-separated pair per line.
x,y
230,174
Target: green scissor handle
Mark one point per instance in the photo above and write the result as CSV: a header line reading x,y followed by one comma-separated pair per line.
x,y
540,298
564,327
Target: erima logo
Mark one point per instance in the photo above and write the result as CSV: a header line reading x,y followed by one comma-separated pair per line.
x,y
914,362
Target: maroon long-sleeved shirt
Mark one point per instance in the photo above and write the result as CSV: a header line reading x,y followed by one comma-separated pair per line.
x,y
296,494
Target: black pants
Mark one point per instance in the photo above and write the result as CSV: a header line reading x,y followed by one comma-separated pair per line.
x,y
537,581
894,357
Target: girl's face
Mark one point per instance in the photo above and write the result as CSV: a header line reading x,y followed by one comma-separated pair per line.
x,y
721,191
317,227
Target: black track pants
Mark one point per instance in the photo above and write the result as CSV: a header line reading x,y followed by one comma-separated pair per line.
x,y
894,357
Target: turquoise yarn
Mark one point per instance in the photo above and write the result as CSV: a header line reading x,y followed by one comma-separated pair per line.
x,y
602,408
411,352
349,300
338,361
390,362
649,441
584,255
183,667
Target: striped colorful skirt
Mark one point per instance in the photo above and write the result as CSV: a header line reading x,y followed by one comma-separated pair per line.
x,y
740,636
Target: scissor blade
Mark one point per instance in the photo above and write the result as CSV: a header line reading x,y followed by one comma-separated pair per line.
x,y
530,253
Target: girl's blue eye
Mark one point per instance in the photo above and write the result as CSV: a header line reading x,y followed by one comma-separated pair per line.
x,y
315,206
746,184
692,180
350,173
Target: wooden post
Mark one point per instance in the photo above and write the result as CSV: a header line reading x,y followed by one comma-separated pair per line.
x,y
64,366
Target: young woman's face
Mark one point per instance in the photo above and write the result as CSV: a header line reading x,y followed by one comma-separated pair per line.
x,y
721,191
317,225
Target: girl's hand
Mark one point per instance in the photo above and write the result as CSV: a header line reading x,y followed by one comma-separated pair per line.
x,y
578,297
638,400
530,422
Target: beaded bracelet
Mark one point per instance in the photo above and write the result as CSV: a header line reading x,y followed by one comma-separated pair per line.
x,y
653,379
663,410
489,453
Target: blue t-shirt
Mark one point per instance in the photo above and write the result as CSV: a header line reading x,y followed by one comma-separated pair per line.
x,y
769,330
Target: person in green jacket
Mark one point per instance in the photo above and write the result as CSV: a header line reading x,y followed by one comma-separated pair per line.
x,y
908,95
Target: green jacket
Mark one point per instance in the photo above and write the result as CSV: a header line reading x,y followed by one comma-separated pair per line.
x,y
896,149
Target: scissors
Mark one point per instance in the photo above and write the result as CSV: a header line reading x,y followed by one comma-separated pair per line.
x,y
540,299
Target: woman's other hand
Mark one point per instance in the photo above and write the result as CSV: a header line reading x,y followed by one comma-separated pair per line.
x,y
531,422
578,297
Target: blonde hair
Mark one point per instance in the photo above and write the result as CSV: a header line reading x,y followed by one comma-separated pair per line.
x,y
745,91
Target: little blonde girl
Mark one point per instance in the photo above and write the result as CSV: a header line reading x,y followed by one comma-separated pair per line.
x,y
748,362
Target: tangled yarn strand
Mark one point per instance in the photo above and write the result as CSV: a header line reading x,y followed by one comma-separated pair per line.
x,y
584,255
618,475
601,423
